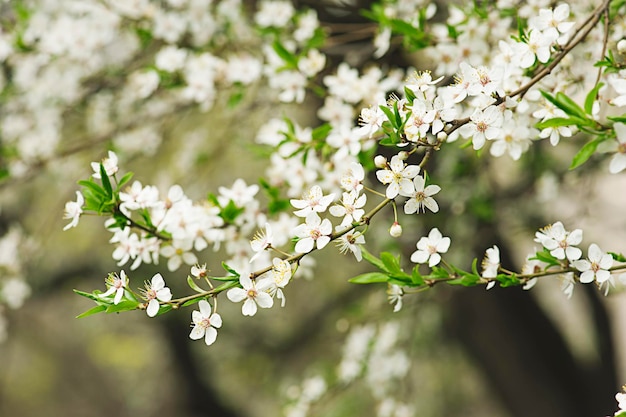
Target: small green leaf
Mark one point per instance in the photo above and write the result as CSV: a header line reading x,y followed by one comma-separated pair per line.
x,y
226,286
391,263
546,257
372,259
122,182
91,296
106,183
585,153
369,278
125,305
321,132
617,256
94,188
555,122
228,278
229,269
92,311
390,116
192,284
416,277
290,59
569,106
620,119
591,98
230,212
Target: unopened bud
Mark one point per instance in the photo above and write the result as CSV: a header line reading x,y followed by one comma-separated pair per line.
x,y
621,46
395,230
380,161
404,155
442,136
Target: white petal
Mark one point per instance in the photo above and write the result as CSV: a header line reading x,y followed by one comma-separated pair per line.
x,y
322,241
164,294
305,245
216,320
249,307
419,257
264,300
205,308
197,332
153,308
157,282
210,336
236,294
435,258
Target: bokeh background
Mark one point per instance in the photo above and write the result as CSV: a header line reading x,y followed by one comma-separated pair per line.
x,y
469,352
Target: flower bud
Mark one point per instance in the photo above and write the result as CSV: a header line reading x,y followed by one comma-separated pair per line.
x,y
621,46
395,230
380,161
404,155
442,136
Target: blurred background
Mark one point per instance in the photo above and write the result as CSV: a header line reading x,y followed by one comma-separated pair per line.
x,y
448,352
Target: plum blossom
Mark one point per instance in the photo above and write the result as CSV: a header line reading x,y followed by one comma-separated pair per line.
x,y
394,295
156,291
560,242
313,201
117,284
490,264
351,241
398,175
353,177
252,294
281,274
421,197
351,207
429,248
73,210
596,267
178,252
483,124
109,163
261,241
204,323
313,232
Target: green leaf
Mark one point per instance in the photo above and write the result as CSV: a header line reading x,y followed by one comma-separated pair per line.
x,y
569,106
617,256
91,296
369,278
565,103
556,122
475,267
95,189
391,263
321,132
591,98
416,277
620,119
192,284
390,116
585,153
124,180
546,257
230,270
226,286
290,59
230,212
92,311
372,259
438,273
124,305
106,183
